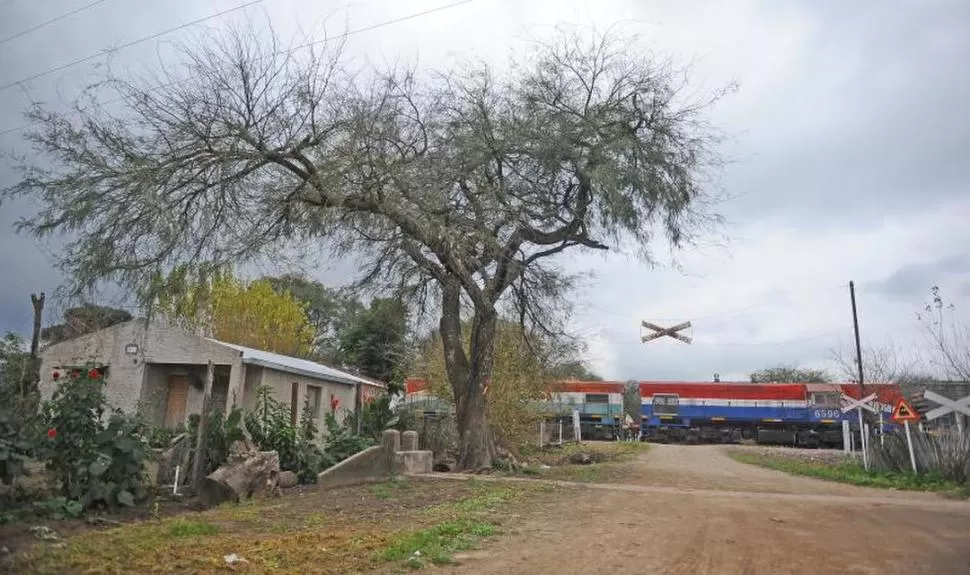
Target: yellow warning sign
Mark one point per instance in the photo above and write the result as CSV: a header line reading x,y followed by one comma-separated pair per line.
x,y
904,412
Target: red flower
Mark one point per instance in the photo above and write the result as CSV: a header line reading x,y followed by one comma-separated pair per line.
x,y
75,373
334,403
94,374
56,375
51,433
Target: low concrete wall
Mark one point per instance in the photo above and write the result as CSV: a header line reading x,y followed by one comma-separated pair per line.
x,y
379,463
367,466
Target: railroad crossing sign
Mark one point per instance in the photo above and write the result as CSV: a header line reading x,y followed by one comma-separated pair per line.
x,y
904,412
668,331
852,403
947,405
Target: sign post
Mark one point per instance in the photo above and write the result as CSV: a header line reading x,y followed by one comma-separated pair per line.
x,y
904,412
846,437
882,431
577,429
859,405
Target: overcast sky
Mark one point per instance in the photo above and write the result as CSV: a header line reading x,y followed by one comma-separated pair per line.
x,y
849,141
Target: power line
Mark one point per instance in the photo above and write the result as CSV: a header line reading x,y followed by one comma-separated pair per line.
x,y
51,21
125,46
307,45
773,343
693,318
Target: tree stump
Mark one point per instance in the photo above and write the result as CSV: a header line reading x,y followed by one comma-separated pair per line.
x,y
243,476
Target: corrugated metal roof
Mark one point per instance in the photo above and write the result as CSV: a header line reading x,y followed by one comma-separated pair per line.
x,y
295,365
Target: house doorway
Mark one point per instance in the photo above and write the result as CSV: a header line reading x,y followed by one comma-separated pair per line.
x,y
178,393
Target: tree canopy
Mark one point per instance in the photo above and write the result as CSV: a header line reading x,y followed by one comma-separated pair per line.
x,y
83,319
457,188
330,311
375,342
790,374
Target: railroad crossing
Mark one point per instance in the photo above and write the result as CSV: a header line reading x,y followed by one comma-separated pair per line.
x,y
947,406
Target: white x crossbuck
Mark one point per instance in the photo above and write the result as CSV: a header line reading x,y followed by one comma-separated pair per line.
x,y
863,403
947,405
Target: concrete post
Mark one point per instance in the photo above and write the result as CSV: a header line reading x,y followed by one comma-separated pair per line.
x,y
409,441
391,444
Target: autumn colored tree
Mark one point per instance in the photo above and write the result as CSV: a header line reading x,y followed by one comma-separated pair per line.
x,y
227,308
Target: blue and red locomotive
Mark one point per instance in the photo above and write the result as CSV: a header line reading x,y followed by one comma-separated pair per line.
x,y
788,413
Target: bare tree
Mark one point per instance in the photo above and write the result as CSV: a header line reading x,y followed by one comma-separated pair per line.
x,y
948,337
880,364
461,187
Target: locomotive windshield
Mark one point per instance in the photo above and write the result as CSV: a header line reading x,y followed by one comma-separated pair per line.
x,y
665,404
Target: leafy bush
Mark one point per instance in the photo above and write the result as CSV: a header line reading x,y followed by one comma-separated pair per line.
x,y
270,428
376,416
342,442
13,450
220,434
161,437
58,508
94,462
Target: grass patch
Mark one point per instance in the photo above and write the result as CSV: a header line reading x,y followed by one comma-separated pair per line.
x,y
848,471
436,544
191,528
390,490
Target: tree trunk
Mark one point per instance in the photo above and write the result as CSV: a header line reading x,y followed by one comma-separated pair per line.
x,y
469,374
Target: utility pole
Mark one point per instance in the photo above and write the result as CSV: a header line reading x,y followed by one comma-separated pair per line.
x,y
858,346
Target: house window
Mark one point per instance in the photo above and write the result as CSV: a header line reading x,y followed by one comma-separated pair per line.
x,y
294,402
315,397
597,398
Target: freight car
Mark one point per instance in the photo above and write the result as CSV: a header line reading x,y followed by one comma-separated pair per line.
x,y
798,414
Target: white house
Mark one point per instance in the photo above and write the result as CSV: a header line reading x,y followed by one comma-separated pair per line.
x,y
160,370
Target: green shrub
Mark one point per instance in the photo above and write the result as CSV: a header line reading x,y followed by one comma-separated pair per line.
x,y
161,437
376,416
269,425
95,462
14,449
342,442
220,434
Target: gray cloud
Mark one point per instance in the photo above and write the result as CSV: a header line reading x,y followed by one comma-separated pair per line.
x,y
913,281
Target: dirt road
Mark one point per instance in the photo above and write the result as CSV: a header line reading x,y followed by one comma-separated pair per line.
x,y
693,510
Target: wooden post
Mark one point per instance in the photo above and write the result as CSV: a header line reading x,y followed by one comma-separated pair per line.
x,y
30,381
542,431
198,466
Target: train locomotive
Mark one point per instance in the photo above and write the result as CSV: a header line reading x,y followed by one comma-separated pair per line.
x,y
599,404
798,414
